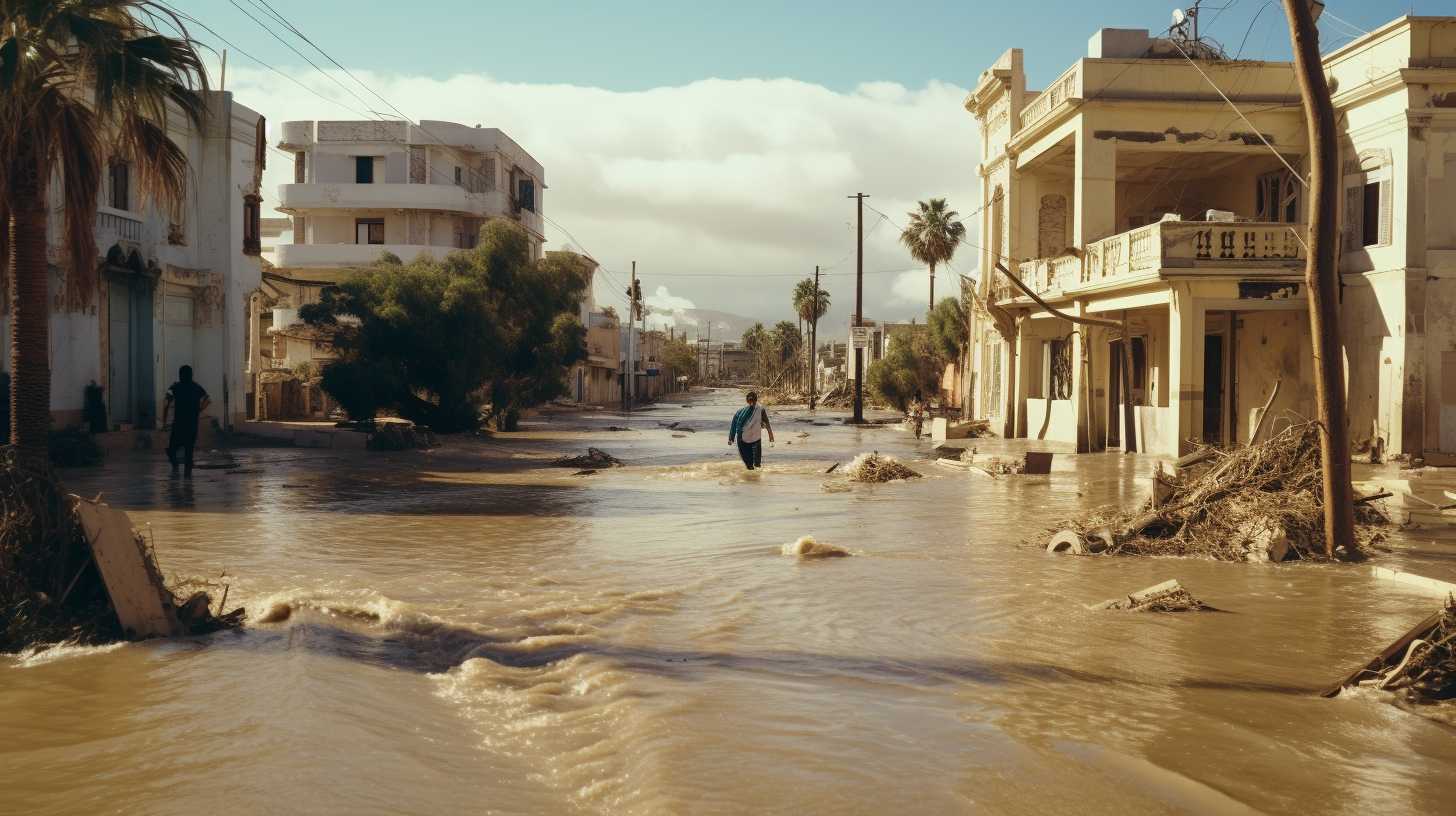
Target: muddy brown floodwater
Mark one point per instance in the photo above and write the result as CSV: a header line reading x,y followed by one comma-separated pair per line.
x,y
462,631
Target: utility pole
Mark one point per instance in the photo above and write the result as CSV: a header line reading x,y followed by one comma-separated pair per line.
x,y
1322,277
814,340
630,392
859,353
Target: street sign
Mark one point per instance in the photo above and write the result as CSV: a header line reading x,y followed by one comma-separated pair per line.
x,y
860,335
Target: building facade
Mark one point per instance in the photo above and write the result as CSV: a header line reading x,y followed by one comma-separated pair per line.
x,y
1128,190
363,188
172,284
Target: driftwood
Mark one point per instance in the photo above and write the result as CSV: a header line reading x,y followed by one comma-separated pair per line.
x,y
1169,596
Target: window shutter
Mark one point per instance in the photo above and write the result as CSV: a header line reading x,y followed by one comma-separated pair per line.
x,y
1354,199
1387,205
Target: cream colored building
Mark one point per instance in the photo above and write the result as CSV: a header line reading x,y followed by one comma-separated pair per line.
x,y
1129,189
364,188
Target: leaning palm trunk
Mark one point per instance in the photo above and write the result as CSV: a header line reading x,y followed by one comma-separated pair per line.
x,y
29,320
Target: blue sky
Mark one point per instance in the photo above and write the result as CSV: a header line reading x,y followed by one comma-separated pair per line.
x,y
638,45
714,144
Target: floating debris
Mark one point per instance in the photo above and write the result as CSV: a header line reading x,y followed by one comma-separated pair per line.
x,y
807,547
1169,596
594,458
1420,666
873,467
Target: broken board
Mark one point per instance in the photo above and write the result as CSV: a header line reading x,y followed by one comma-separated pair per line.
x,y
131,577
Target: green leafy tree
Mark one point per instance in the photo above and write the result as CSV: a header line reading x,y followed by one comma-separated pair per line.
x,y
932,235
81,81
910,367
681,357
949,330
429,339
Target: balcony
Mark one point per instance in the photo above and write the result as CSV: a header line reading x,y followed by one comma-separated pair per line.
x,y
117,227
1163,250
303,198
343,256
1067,86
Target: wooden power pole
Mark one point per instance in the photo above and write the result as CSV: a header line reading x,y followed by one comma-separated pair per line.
x,y
1321,276
859,353
814,340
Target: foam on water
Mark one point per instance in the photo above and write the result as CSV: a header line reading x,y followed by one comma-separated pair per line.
x,y
42,655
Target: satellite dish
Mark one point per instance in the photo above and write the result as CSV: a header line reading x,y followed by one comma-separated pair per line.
x,y
1178,17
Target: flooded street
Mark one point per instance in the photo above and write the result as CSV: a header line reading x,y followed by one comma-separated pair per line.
x,y
465,631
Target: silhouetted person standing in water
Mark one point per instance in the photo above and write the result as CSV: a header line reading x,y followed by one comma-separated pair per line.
x,y
747,429
190,400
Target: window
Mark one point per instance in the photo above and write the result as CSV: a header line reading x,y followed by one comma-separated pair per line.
x,y
120,186
526,194
1276,198
252,224
1139,363
1370,214
369,230
363,169
459,176
300,167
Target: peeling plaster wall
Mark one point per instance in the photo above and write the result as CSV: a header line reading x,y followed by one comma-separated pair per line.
x,y
1273,345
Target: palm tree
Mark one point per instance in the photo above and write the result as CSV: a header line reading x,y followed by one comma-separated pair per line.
x,y
811,303
755,340
81,81
932,236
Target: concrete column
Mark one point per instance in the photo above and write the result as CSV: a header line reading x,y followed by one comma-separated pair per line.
x,y
1185,369
1024,375
1080,338
1095,208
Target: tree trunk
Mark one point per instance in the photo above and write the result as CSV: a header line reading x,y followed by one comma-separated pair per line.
x,y
1322,279
30,387
932,293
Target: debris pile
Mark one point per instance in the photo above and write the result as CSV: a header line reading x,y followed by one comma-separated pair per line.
x,y
61,580
1420,665
1262,502
1169,596
594,458
872,467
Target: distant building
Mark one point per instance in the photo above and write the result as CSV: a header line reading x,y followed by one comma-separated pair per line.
x,y
595,380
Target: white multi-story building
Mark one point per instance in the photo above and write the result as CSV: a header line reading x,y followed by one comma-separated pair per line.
x,y
363,188
1128,189
171,283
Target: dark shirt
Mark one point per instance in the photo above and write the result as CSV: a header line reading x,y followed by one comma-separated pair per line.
x,y
187,400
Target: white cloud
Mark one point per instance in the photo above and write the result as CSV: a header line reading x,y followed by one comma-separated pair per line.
x,y
912,287
712,179
666,301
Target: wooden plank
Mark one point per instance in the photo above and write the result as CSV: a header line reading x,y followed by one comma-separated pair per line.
x,y
1398,646
131,579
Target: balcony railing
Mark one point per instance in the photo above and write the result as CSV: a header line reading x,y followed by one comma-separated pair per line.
x,y
116,227
1067,86
1167,246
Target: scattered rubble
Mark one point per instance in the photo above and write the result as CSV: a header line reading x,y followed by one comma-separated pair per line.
x,y
1262,502
873,467
1420,666
594,458
1169,596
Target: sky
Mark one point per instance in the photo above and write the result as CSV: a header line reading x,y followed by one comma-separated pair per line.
x,y
714,144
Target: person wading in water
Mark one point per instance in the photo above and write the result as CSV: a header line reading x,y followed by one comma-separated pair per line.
x,y
191,400
747,430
